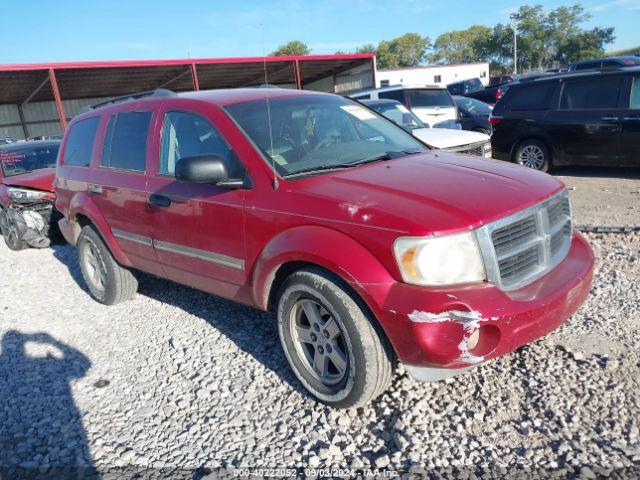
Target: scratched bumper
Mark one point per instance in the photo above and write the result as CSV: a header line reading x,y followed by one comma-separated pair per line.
x,y
437,327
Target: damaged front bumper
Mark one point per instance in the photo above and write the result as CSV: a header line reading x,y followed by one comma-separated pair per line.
x,y
438,333
36,223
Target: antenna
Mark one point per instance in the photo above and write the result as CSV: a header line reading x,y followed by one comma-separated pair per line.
x,y
266,82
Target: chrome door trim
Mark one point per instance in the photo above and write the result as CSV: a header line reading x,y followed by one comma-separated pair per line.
x,y
212,257
217,258
132,237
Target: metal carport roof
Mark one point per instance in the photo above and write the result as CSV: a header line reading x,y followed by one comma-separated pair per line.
x,y
22,83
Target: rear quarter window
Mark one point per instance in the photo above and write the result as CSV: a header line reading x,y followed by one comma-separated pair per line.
x,y
635,93
79,146
530,97
591,93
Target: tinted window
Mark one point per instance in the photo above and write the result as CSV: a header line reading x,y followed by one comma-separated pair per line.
x,y
587,66
126,141
595,92
635,93
187,135
79,145
456,89
393,95
15,161
429,98
531,97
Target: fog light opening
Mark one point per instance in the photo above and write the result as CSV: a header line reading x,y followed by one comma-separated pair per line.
x,y
484,340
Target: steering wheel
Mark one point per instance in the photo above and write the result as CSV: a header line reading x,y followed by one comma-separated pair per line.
x,y
331,139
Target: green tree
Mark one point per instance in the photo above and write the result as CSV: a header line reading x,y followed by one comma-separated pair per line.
x,y
367,48
549,37
294,47
463,46
408,50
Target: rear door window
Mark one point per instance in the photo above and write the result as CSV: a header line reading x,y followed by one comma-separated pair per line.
x,y
186,134
531,97
125,143
591,93
79,146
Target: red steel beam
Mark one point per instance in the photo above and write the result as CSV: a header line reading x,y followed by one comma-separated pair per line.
x,y
296,74
196,61
56,95
194,77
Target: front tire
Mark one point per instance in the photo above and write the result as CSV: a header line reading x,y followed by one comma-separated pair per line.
x,y
11,232
108,282
533,154
331,344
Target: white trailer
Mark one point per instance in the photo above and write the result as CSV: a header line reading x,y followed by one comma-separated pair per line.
x,y
441,75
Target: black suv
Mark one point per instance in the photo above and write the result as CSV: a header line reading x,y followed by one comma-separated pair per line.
x,y
590,118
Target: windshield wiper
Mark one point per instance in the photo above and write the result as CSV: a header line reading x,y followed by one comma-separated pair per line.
x,y
339,166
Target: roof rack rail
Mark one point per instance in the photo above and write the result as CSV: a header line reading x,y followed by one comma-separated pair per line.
x,y
158,93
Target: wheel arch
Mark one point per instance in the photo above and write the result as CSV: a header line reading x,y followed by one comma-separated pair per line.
x,y
84,212
316,247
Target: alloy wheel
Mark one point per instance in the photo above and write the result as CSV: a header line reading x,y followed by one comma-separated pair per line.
x,y
532,156
95,266
319,341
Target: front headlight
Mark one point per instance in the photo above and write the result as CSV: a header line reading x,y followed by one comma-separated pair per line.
x,y
449,260
22,195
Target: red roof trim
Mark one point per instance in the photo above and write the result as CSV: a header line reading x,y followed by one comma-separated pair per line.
x,y
185,61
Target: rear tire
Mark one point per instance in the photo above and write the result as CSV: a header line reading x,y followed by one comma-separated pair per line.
x,y
108,282
331,345
533,154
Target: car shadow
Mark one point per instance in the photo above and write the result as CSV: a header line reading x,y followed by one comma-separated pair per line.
x,y
41,431
254,332
67,256
597,172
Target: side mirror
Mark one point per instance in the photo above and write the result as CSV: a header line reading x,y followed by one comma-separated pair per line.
x,y
206,169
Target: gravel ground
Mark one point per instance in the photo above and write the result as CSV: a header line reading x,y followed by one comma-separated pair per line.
x,y
178,379
603,196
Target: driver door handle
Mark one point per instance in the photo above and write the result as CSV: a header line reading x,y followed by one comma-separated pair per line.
x,y
95,189
159,200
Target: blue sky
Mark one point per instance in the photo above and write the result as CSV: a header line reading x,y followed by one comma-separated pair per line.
x,y
42,31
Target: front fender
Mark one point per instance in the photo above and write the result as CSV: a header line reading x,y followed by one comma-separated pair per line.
x,y
321,246
83,204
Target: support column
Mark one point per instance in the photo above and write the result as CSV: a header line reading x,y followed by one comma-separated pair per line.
x,y
194,77
56,95
296,74
25,131
373,71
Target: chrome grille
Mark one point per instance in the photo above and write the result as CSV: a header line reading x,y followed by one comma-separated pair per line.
x,y
522,247
475,149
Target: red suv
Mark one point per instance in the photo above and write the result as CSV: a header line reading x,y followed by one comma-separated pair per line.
x,y
370,247
26,193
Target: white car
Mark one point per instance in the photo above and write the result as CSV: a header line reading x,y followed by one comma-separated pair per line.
x,y
462,141
433,105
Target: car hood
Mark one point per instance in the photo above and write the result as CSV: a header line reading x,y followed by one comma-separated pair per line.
x,y
431,193
448,138
38,179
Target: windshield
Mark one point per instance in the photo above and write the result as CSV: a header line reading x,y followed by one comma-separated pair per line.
x,y
318,132
429,98
473,106
22,160
399,114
